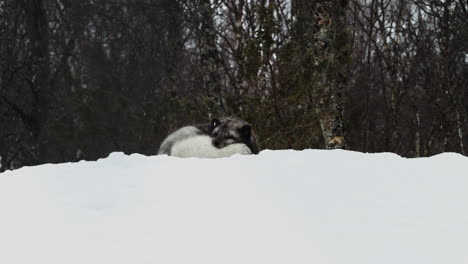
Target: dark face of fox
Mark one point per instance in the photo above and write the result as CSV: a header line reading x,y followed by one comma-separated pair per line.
x,y
229,131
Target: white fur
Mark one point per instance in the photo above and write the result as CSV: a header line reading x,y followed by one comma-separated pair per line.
x,y
201,147
179,135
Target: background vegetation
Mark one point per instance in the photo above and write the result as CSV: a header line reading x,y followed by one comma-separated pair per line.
x,y
81,79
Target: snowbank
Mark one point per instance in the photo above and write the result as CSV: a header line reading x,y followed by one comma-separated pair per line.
x,y
330,207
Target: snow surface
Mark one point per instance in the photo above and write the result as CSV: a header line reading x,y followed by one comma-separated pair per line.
x,y
330,207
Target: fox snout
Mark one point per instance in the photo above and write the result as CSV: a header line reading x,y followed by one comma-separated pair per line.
x,y
218,143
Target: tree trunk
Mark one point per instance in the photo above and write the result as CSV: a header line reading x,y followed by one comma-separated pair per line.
x,y
209,57
37,25
322,26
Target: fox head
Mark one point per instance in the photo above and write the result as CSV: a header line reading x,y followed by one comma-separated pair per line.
x,y
227,131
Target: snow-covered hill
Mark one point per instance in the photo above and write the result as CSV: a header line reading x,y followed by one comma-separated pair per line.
x,y
319,207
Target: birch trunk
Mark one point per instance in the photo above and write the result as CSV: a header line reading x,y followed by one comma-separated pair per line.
x,y
323,24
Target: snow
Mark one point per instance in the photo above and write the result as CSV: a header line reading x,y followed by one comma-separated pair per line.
x,y
314,206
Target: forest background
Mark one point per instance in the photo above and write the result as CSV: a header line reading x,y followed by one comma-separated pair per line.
x,y
82,79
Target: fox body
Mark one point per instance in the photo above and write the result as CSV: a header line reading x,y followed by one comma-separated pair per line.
x,y
220,138
177,136
201,147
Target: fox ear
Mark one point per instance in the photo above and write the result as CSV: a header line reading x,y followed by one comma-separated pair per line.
x,y
246,130
215,122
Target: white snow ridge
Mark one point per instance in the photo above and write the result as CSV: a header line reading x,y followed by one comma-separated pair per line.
x,y
315,207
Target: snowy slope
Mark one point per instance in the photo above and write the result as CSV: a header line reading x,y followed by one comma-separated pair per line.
x,y
330,207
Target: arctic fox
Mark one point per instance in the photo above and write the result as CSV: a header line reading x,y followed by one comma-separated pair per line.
x,y
220,138
202,147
